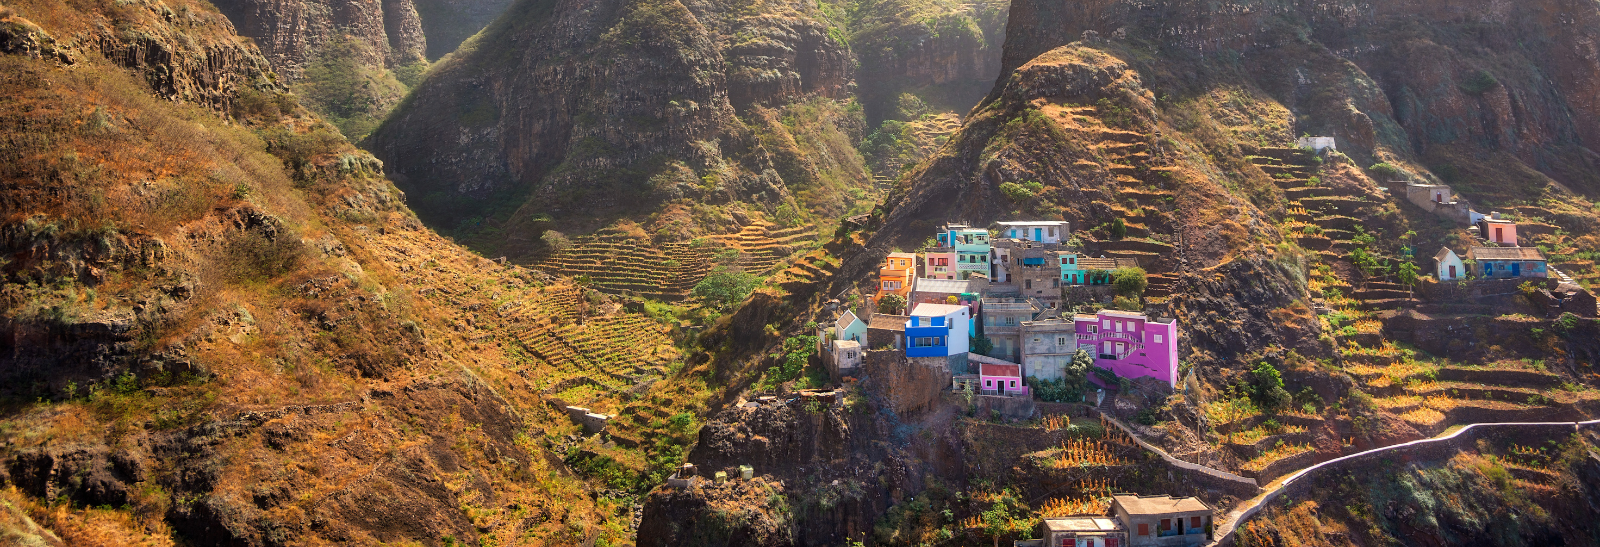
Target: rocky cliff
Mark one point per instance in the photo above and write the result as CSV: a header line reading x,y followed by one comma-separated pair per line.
x,y
684,106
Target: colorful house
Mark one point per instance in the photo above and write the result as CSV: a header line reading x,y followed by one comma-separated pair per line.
x,y
971,246
1081,531
1130,344
849,327
1448,266
1001,379
1498,231
951,291
1043,231
897,275
938,330
939,263
1509,262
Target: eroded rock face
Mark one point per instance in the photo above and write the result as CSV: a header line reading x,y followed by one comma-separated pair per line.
x,y
290,33
1519,78
581,104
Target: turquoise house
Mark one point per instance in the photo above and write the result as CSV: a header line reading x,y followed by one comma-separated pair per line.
x,y
971,246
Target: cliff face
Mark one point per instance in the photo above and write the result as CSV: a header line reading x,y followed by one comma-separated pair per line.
x,y
1412,78
947,53
291,33
638,102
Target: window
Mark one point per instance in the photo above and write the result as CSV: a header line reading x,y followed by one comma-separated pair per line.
x,y
1194,522
1144,529
1055,283
1158,339
1111,542
1166,525
1061,340
1119,325
988,383
1029,283
1013,384
1052,232
1106,323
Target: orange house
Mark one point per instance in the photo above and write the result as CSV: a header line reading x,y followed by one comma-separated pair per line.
x,y
897,275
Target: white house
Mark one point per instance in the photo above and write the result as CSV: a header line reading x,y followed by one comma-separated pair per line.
x,y
1317,144
1449,266
1042,231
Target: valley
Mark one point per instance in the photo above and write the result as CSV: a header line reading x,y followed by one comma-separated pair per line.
x,y
772,272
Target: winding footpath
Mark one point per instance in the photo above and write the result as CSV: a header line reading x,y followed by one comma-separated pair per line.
x,y
1226,530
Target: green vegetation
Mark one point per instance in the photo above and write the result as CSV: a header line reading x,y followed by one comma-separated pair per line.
x,y
1069,388
1266,387
726,287
1130,282
1479,83
340,85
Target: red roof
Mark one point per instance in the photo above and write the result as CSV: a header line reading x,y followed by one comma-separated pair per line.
x,y
1009,371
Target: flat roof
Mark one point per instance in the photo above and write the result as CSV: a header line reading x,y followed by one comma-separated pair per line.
x,y
944,286
936,310
1505,253
846,344
1086,523
1492,220
902,255
1127,314
1158,504
884,321
1030,222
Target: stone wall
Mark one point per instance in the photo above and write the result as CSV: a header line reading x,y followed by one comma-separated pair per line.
x,y
1010,408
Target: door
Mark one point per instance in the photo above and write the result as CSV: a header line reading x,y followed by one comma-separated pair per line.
x,y
1452,272
1516,269
1038,234
1499,235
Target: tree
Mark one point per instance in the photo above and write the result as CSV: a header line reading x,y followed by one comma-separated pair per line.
x,y
1119,228
1131,282
726,287
556,240
892,304
1408,274
1267,383
981,345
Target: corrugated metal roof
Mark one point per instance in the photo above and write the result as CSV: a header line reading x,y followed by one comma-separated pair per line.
x,y
945,286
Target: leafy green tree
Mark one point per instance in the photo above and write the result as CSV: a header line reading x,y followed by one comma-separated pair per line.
x,y
892,304
982,345
1267,384
726,287
1131,282
1408,274
1119,228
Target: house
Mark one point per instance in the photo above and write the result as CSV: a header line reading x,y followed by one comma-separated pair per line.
x,y
1083,531
1449,266
1498,231
997,377
1002,324
971,247
1440,200
1163,521
1130,344
940,291
1048,347
939,263
897,275
1317,144
887,331
844,358
1043,231
1084,270
850,327
938,330
1508,262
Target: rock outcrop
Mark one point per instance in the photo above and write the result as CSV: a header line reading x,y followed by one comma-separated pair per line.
x,y
583,110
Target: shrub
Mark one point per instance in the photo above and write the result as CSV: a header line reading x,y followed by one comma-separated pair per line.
x,y
1267,387
1015,192
1386,169
1131,282
1126,304
1119,229
726,287
557,241
1479,83
892,304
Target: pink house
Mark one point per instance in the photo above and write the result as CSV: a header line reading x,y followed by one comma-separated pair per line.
x,y
1002,379
1498,231
939,263
1130,344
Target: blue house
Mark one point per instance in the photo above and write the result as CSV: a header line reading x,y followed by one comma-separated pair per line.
x,y
938,330
1509,262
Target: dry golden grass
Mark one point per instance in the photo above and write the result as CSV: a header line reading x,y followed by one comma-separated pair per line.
x,y
91,527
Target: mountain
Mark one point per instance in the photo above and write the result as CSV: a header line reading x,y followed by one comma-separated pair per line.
x,y
220,324
567,116
353,61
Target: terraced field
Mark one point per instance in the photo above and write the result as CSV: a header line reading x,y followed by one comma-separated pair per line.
x,y
620,263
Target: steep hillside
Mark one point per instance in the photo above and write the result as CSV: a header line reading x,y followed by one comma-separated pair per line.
x,y
353,61
219,324
1166,133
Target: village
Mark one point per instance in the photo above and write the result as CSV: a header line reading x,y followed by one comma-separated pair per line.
x,y
1017,321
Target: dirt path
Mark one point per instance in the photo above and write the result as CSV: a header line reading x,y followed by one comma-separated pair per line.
x,y
1225,530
